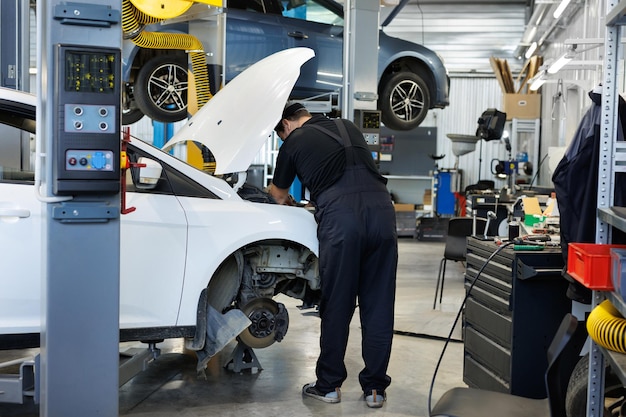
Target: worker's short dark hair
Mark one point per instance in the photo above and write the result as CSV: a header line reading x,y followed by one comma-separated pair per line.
x,y
292,111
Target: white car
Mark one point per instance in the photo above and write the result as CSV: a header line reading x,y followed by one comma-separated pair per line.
x,y
192,239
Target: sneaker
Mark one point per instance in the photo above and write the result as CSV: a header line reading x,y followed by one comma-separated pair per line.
x,y
310,390
375,399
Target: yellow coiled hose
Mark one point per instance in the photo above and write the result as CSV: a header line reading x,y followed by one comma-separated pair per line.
x,y
133,21
607,327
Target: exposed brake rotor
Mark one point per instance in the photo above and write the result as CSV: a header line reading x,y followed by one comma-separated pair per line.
x,y
264,315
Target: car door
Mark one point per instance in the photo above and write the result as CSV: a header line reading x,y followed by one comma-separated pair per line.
x,y
253,32
313,25
20,232
153,250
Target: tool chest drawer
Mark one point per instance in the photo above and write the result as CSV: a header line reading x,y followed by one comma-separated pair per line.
x,y
490,323
511,314
488,353
498,303
478,376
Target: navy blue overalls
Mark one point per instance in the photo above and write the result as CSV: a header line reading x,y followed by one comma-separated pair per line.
x,y
358,259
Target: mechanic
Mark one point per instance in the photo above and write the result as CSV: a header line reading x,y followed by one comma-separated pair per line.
x,y
358,244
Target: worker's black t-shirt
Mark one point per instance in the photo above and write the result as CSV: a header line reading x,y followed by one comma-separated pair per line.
x,y
318,159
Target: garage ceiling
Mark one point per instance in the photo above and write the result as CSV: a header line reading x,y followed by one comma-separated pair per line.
x,y
464,33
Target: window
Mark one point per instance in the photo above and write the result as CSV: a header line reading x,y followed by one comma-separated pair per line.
x,y
16,148
311,11
171,181
260,6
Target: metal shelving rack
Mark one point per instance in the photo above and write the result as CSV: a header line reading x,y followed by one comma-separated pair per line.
x,y
525,137
612,160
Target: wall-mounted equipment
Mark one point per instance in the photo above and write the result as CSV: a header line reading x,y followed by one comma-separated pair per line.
x,y
368,121
87,145
491,124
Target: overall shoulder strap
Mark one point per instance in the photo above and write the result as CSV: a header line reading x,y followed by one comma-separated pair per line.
x,y
343,132
327,132
344,139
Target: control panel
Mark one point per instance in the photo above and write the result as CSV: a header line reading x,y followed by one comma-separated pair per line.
x,y
368,121
87,123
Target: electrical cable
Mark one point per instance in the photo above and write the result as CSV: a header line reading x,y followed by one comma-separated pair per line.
x,y
419,7
424,336
456,319
530,186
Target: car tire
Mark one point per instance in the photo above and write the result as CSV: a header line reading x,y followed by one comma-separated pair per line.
x,y
576,395
132,115
404,101
161,89
130,112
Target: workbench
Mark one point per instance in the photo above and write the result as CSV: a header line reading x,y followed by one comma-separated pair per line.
x,y
511,315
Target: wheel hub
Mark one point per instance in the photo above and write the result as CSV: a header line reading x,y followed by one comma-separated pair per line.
x,y
262,323
261,332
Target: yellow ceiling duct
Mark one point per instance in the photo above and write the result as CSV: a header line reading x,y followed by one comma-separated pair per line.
x,y
162,9
216,3
167,9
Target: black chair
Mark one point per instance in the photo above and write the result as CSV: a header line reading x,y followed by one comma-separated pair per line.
x,y
562,356
459,228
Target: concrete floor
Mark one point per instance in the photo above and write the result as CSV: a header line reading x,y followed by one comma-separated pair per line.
x,y
171,385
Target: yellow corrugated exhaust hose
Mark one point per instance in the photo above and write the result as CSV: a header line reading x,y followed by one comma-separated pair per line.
x,y
607,327
133,20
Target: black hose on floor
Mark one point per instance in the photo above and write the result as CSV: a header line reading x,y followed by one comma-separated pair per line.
x,y
456,319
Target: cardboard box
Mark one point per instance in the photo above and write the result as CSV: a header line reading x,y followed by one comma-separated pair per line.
x,y
522,106
428,197
404,207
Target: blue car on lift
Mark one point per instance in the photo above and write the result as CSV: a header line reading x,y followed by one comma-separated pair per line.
x,y
411,78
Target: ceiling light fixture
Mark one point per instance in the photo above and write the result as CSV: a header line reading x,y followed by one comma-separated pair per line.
x,y
560,9
537,80
531,50
561,62
536,85
584,85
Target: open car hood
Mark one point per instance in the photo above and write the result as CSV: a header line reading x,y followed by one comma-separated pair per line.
x,y
237,121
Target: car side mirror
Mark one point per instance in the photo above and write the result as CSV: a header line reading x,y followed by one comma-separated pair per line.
x,y
149,173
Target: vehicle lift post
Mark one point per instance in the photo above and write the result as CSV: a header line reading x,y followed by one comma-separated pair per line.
x,y
78,150
359,95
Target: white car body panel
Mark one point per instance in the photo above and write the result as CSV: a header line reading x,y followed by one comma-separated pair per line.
x,y
152,260
20,299
171,245
235,127
249,222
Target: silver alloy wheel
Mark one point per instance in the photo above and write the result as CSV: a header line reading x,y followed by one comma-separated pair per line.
x,y
404,100
167,87
407,100
161,87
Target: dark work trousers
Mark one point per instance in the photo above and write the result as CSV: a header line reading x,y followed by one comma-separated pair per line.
x,y
358,261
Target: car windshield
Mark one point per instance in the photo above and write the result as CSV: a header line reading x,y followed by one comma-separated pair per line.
x,y
311,11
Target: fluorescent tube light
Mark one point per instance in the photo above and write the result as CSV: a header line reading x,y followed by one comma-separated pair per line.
x,y
560,9
537,80
531,50
535,85
560,63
